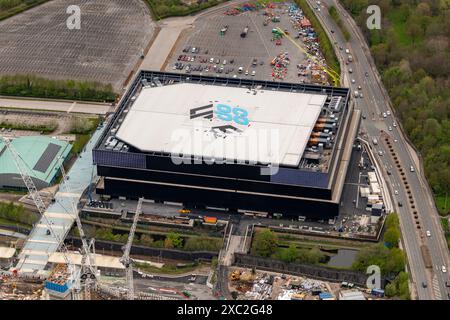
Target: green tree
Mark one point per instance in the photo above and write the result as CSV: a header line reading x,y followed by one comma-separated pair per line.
x,y
173,240
290,254
265,243
391,237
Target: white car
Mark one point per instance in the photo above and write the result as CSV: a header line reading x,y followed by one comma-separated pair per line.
x,y
444,269
353,81
388,113
390,128
394,124
359,88
428,233
253,73
395,191
411,168
350,70
380,153
211,60
384,115
246,72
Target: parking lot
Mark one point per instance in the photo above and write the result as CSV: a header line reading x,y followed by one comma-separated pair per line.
x,y
250,44
104,49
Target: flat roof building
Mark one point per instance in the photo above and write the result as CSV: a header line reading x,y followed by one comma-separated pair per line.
x,y
237,144
159,113
41,155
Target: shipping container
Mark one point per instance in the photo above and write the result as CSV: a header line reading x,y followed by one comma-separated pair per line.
x,y
211,220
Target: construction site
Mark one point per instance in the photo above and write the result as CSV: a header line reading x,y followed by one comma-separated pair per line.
x,y
252,284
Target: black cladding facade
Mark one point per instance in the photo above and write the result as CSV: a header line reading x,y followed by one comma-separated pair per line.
x,y
291,192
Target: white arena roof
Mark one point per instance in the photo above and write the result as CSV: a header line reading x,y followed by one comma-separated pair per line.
x,y
209,121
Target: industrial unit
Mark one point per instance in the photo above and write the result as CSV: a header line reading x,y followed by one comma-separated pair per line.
x,y
42,155
167,144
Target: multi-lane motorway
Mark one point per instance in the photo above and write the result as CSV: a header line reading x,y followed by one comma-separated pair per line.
x,y
428,283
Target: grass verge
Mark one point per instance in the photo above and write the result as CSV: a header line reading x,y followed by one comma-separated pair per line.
x,y
160,9
23,6
324,41
44,128
169,268
335,16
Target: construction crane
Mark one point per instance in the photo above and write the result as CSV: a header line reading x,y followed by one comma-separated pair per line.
x,y
126,260
88,272
34,193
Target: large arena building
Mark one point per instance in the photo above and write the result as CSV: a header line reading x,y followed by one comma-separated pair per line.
x,y
235,144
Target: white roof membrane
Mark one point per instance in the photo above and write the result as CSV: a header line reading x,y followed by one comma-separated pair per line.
x,y
275,130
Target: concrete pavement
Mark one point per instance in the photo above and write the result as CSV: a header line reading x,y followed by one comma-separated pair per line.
x,y
55,105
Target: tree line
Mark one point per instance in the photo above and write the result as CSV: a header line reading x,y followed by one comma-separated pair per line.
x,y
169,8
8,8
17,213
266,244
411,50
38,87
171,240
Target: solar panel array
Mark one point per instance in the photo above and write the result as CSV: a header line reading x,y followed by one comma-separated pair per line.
x,y
300,178
47,157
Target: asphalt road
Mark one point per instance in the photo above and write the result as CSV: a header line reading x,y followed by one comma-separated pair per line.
x,y
374,103
55,105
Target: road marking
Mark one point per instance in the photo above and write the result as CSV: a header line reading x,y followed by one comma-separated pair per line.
x,y
436,289
58,215
42,241
30,261
53,226
69,194
34,252
71,107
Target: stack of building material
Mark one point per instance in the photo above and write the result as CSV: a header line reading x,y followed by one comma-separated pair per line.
x,y
279,66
